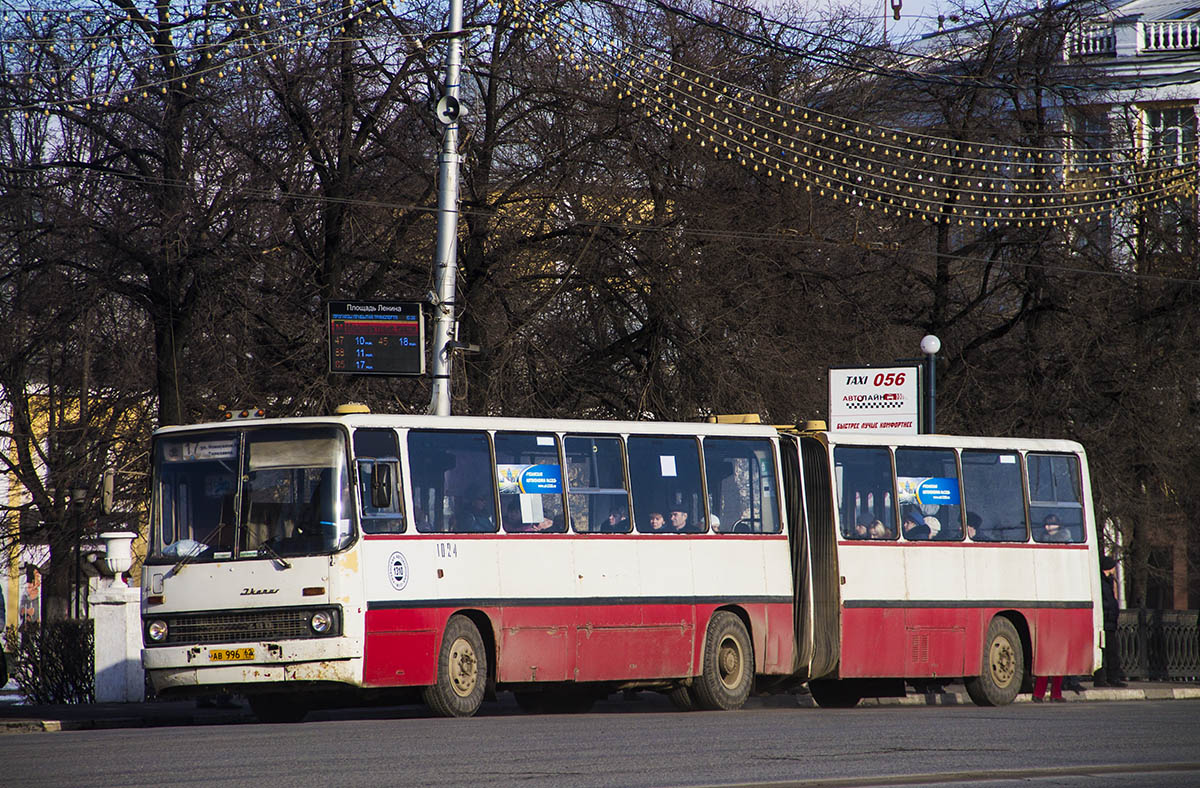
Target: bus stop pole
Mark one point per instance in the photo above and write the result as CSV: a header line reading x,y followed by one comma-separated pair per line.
x,y
445,261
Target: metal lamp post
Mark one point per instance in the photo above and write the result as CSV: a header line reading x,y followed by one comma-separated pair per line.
x,y
930,345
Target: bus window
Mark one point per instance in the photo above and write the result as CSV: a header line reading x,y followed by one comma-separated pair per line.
x,y
992,491
599,502
665,475
741,485
1055,503
295,492
381,506
453,489
927,479
530,481
863,476
195,488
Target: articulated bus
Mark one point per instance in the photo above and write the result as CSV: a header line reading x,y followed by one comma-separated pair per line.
x,y
363,558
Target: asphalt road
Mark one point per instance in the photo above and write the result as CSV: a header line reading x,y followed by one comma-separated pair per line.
x,y
642,743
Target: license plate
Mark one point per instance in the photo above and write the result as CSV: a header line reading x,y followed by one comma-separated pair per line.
x,y
229,654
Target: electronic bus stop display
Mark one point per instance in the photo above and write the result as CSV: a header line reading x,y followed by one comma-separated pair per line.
x,y
376,338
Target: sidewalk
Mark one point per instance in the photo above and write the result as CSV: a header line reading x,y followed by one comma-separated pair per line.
x,y
18,718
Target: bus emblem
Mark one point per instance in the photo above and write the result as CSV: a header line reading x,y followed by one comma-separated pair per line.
x,y
398,571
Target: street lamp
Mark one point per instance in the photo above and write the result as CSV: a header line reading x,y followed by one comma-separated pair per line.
x,y
930,345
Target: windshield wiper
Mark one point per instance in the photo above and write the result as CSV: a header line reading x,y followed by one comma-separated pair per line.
x,y
265,547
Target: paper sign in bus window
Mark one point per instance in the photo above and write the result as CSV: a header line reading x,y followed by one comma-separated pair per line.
x,y
667,463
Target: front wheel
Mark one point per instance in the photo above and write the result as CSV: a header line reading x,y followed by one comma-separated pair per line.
x,y
1003,667
727,672
461,671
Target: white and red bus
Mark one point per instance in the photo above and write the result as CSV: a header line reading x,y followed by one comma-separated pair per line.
x,y
370,558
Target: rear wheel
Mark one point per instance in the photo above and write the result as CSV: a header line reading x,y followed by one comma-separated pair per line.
x,y
727,671
461,671
1003,667
835,694
277,707
682,699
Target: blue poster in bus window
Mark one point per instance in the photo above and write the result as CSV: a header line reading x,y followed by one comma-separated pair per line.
x,y
529,479
928,490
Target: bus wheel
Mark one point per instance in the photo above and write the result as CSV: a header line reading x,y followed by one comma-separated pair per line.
x,y
277,707
1003,666
461,671
682,699
835,694
728,668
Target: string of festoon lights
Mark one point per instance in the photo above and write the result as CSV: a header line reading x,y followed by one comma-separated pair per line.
x,y
183,53
894,171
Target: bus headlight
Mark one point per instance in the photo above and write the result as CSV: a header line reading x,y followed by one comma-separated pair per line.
x,y
321,622
156,630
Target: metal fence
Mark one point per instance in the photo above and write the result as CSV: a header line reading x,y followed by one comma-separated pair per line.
x,y
1160,645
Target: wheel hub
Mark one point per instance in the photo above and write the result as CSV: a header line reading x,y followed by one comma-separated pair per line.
x,y
463,667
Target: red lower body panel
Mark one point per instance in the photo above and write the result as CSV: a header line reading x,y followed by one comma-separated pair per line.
x,y
568,643
940,642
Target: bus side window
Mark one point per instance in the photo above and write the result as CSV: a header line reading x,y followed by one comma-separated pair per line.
x,y
453,486
381,504
596,493
1055,499
741,485
927,482
665,474
993,489
863,479
530,482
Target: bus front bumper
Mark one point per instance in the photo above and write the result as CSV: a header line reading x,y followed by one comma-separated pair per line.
x,y
336,660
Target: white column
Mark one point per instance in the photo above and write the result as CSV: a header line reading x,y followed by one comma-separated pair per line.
x,y
117,625
116,616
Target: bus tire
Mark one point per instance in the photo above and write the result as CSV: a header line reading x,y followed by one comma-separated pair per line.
x,y
277,708
461,671
682,699
834,693
727,669
1002,669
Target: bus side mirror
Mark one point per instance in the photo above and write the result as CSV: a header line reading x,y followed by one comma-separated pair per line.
x,y
106,491
381,485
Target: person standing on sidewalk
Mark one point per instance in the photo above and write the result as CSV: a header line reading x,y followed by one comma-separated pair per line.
x,y
1109,674
1056,688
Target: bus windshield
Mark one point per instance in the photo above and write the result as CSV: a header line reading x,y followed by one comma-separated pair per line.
x,y
255,493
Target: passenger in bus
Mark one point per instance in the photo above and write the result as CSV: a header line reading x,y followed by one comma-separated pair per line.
x,y
1052,530
861,531
935,527
679,521
479,517
656,522
880,531
617,522
975,526
914,525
